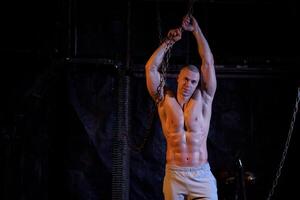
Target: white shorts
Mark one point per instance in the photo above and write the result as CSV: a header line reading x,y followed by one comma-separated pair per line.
x,y
189,183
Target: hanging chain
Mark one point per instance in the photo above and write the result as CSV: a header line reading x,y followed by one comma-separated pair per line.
x,y
165,62
278,173
163,71
167,53
190,7
139,148
153,110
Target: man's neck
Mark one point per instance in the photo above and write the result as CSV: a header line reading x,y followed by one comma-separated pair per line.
x,y
182,100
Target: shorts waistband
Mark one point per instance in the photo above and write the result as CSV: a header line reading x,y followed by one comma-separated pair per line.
x,y
204,166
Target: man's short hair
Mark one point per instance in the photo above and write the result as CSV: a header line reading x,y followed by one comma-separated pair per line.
x,y
192,68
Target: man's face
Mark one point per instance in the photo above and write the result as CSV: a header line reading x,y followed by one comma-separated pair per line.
x,y
187,82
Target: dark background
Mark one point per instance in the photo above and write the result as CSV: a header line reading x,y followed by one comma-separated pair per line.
x,y
73,96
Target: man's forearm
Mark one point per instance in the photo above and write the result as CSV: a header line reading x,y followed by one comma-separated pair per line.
x,y
157,57
203,47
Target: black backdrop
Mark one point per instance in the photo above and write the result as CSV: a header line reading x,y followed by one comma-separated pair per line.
x,y
57,114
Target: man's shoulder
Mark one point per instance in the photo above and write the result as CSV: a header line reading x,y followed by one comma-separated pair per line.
x,y
169,92
197,94
203,95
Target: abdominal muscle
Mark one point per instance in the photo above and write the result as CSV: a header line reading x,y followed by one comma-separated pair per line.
x,y
185,130
186,148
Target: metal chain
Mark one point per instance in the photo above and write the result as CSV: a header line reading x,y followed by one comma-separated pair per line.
x,y
165,62
140,147
163,69
190,7
163,72
278,173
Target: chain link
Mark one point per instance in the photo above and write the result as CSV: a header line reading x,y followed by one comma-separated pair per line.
x,y
287,143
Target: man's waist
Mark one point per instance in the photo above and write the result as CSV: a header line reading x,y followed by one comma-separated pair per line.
x,y
195,167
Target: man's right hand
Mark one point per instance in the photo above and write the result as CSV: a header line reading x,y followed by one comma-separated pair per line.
x,y
174,35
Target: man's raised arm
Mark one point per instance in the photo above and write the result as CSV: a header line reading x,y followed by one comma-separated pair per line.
x,y
153,76
208,74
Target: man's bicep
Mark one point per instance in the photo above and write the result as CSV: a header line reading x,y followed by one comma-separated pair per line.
x,y
154,86
208,79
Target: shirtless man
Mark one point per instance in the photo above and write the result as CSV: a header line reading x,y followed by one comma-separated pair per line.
x,y
185,118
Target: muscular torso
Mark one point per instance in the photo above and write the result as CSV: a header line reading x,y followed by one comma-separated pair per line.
x,y
185,128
